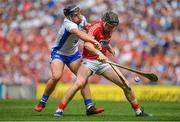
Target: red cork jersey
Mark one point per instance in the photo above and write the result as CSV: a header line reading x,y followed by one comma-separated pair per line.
x,y
96,29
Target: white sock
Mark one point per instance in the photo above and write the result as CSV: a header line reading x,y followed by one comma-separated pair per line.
x,y
89,106
138,111
59,110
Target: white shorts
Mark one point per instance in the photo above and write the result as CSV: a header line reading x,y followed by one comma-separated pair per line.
x,y
96,66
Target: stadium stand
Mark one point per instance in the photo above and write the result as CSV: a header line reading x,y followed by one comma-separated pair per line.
x,y
148,38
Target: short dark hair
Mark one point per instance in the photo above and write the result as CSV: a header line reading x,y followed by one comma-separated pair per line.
x,y
71,10
111,18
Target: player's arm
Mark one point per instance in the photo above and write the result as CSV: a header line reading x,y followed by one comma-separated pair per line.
x,y
110,49
90,47
85,37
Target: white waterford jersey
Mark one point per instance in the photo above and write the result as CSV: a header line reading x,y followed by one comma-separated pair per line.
x,y
67,43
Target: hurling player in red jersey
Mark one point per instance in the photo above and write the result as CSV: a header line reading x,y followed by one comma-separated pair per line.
x,y
94,61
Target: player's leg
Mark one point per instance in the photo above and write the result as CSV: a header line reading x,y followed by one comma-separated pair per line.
x,y
90,107
85,91
57,67
111,75
82,76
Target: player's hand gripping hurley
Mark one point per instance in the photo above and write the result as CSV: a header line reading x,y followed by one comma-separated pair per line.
x,y
150,76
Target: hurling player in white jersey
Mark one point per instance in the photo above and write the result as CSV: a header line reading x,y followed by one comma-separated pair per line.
x,y
65,52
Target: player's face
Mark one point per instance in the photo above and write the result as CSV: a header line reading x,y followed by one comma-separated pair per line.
x,y
76,18
109,28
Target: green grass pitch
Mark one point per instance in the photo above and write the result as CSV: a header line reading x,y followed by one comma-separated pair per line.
x,y
23,110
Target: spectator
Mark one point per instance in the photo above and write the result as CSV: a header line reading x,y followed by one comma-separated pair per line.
x,y
147,38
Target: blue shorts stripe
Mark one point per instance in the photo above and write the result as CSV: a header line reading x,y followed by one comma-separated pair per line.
x,y
65,59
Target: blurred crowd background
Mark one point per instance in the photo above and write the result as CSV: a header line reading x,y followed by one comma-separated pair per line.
x,y
147,38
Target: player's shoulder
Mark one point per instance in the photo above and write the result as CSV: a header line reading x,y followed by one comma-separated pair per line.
x,y
95,25
69,24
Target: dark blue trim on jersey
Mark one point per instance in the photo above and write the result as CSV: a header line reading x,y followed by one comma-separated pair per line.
x,y
63,39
